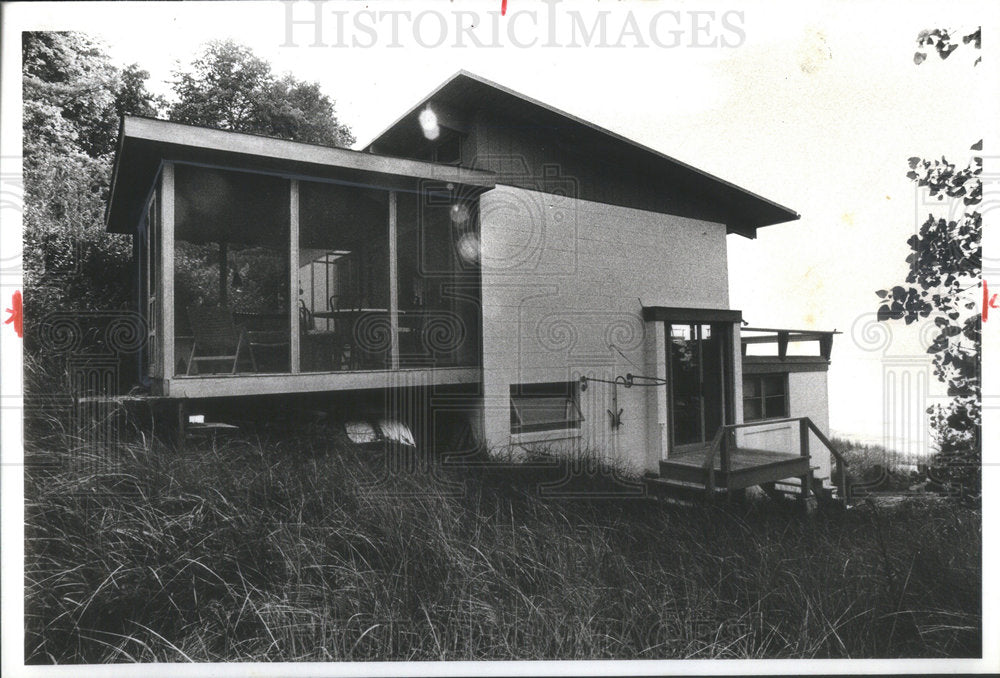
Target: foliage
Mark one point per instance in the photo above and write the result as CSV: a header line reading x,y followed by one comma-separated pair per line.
x,y
292,545
943,41
945,269
263,276
73,99
945,275
231,88
73,96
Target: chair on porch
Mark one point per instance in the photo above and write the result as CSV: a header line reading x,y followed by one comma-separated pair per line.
x,y
347,355
267,337
319,347
217,337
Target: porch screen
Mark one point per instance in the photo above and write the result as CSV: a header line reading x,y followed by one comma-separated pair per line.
x,y
231,296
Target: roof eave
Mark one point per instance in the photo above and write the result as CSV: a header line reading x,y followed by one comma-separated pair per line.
x,y
787,214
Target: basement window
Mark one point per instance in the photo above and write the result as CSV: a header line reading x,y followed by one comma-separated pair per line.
x,y
765,396
544,407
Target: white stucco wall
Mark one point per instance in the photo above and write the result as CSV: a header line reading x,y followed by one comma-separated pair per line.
x,y
807,397
564,278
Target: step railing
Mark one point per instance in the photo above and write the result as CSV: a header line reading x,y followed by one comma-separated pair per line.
x,y
725,440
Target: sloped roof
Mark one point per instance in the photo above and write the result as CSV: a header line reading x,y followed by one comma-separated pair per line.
x,y
743,210
143,143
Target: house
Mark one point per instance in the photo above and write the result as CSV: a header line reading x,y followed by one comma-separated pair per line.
x,y
562,286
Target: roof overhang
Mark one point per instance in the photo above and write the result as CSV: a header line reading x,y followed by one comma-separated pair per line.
x,y
741,210
145,143
690,315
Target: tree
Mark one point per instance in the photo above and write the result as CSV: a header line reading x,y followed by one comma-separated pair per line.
x,y
941,39
231,88
943,283
73,96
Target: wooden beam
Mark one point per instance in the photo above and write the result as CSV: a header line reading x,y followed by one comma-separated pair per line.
x,y
782,344
771,364
225,385
250,144
690,315
166,297
393,283
792,338
293,274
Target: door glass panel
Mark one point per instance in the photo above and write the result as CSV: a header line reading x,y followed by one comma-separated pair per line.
x,y
685,368
712,385
697,382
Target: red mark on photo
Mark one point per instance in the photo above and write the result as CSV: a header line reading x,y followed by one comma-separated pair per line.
x,y
988,302
503,8
16,315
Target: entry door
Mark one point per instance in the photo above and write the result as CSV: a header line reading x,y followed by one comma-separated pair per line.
x,y
697,364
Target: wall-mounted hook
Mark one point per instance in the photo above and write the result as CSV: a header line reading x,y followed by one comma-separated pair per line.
x,y
615,411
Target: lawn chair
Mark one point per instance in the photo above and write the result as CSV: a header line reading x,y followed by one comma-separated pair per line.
x,y
217,338
267,337
318,347
346,353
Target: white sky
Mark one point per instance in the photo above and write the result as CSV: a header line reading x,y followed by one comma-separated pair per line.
x,y
818,110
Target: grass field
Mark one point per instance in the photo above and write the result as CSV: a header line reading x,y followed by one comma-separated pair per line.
x,y
271,546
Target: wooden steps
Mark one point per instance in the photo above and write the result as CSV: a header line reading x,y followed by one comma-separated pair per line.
x,y
746,468
684,478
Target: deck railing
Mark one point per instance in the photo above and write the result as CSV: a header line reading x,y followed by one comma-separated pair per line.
x,y
725,440
766,335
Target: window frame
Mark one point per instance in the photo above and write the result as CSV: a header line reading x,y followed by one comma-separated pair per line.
x,y
521,394
761,398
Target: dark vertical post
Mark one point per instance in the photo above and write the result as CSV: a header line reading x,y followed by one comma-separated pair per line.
x,y
294,345
825,345
180,432
804,451
724,459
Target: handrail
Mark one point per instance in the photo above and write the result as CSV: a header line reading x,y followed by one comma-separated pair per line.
x,y
709,465
713,448
826,441
842,463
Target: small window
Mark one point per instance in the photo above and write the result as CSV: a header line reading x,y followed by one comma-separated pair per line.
x,y
765,396
449,150
544,407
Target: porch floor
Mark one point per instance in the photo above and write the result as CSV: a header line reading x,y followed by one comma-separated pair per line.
x,y
747,467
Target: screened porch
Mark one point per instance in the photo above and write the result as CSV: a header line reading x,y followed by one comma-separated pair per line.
x,y
257,280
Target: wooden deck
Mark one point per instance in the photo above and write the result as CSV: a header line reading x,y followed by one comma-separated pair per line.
x,y
747,467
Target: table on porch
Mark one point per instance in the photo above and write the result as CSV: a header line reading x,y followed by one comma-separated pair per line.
x,y
347,349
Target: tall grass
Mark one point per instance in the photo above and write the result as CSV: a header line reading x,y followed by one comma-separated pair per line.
x,y
304,547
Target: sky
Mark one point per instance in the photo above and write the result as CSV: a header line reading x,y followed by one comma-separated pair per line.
x,y
817,106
